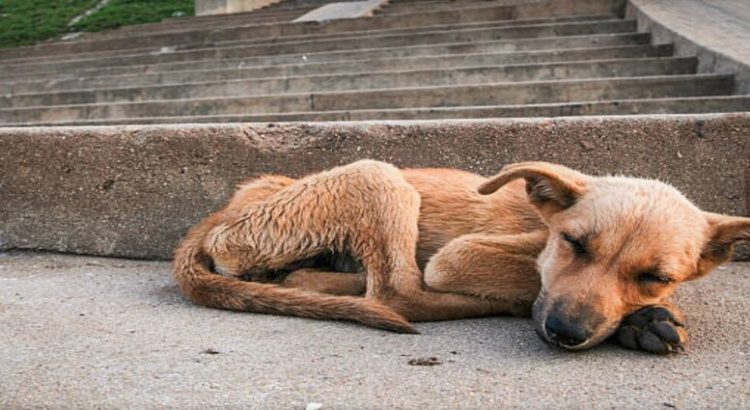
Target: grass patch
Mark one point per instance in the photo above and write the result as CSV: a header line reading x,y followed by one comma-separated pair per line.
x,y
126,12
25,22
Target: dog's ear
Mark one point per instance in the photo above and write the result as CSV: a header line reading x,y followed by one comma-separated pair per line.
x,y
550,187
724,232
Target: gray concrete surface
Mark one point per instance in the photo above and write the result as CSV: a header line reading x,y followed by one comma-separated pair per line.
x,y
716,31
134,190
347,41
486,67
681,105
238,57
533,92
347,81
342,10
231,71
211,7
211,35
84,332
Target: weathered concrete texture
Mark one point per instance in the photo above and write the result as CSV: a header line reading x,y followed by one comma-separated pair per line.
x,y
538,92
270,17
379,33
346,41
239,57
133,191
82,332
717,32
236,33
230,71
212,35
347,81
418,6
343,10
210,7
680,105
276,13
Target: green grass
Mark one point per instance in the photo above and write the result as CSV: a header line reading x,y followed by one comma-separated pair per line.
x,y
28,21
25,22
126,12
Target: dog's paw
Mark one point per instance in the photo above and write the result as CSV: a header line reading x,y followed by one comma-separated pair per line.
x,y
654,329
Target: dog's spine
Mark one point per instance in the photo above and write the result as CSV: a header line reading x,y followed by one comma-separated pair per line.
x,y
212,290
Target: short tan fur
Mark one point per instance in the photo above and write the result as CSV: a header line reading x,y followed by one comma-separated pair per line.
x,y
587,256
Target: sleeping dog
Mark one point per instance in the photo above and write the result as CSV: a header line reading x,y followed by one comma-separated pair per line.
x,y
587,257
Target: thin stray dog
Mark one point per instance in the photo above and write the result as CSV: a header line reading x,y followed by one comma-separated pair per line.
x,y
587,257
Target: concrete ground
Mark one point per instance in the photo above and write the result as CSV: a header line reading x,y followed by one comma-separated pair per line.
x,y
85,332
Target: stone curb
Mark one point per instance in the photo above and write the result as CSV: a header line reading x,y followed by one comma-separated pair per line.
x,y
133,191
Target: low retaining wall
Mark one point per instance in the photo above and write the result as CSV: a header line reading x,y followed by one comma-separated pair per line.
x,y
134,191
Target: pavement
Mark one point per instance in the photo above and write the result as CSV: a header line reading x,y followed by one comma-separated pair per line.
x,y
89,332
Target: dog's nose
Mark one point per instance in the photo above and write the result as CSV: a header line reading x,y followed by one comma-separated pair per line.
x,y
565,333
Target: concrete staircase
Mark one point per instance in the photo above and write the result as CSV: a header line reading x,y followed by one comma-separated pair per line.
x,y
415,59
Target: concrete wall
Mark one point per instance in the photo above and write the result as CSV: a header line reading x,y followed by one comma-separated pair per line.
x,y
133,191
206,7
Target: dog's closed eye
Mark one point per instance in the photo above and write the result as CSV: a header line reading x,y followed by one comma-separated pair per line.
x,y
653,277
578,246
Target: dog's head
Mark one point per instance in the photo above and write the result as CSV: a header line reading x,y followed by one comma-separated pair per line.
x,y
616,244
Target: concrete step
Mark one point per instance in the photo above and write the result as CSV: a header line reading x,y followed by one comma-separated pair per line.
x,y
520,23
398,43
211,36
349,40
446,62
192,23
322,36
293,4
431,2
362,81
403,8
503,46
680,105
261,16
468,95
233,18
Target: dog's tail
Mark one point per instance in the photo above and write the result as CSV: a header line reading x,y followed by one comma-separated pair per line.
x,y
206,288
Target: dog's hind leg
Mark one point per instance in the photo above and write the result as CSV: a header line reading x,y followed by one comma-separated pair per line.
x,y
355,208
333,211
332,283
366,208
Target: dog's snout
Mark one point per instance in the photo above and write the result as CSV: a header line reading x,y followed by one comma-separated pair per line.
x,y
565,332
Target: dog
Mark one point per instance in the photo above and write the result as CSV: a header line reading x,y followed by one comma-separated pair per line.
x,y
587,257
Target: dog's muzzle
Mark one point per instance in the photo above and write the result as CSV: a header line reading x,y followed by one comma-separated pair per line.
x,y
570,331
565,333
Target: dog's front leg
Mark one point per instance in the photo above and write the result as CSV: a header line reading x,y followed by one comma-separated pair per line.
x,y
491,268
655,329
